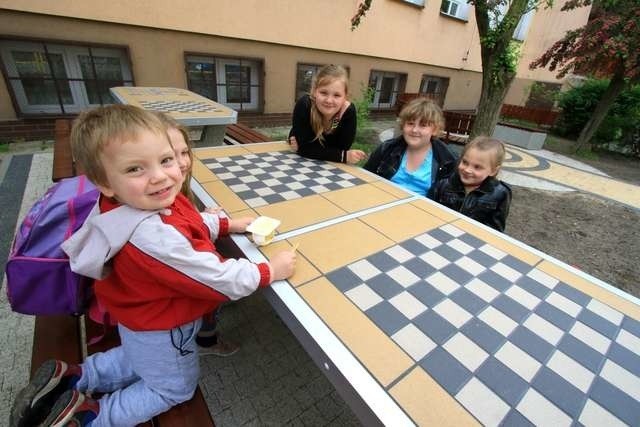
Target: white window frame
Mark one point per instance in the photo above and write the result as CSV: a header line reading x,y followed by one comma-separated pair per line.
x,y
521,30
416,2
378,77
461,9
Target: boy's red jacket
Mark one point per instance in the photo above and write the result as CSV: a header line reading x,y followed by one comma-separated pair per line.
x,y
156,270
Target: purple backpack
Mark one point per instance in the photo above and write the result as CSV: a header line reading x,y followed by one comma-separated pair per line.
x,y
39,279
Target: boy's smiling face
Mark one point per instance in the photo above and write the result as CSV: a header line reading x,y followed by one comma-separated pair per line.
x,y
142,172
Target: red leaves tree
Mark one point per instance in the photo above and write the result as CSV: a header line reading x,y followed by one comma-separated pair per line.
x,y
607,46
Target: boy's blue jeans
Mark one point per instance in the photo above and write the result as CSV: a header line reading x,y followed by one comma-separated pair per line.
x,y
148,374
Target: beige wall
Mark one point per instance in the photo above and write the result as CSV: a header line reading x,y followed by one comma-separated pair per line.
x,y
157,58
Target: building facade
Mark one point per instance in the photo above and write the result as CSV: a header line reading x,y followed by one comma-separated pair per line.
x,y
59,58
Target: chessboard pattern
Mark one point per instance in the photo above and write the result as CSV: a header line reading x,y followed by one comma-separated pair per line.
x,y
510,343
179,106
267,178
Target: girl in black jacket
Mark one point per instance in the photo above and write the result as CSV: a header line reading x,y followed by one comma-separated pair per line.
x,y
474,189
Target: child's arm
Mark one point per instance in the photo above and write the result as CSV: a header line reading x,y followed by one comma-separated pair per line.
x,y
498,220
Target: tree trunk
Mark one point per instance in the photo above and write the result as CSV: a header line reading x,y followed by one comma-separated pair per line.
x,y
616,85
491,97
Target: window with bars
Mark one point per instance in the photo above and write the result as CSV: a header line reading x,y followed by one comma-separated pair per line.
x,y
57,78
304,77
386,86
434,88
234,82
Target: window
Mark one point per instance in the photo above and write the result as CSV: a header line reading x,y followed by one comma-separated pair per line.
x,y
386,87
543,95
434,88
234,82
304,77
455,8
520,32
53,78
416,2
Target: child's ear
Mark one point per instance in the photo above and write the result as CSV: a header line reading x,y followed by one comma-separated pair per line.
x,y
495,171
106,190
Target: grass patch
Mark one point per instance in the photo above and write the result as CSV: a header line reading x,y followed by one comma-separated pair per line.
x,y
568,147
4,147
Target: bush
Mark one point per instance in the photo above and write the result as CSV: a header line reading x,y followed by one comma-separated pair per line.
x,y
362,103
621,126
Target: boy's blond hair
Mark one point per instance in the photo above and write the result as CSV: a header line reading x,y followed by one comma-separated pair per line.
x,y
485,143
94,129
424,111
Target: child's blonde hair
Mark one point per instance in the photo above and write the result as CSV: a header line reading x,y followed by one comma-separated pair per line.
x,y
94,129
485,143
171,123
424,111
327,75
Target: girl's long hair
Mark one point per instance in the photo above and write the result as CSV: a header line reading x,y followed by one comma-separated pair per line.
x,y
327,75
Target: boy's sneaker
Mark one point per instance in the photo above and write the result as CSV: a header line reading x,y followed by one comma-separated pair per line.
x,y
34,402
220,348
73,409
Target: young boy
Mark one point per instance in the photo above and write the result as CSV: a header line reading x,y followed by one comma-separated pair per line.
x,y
157,272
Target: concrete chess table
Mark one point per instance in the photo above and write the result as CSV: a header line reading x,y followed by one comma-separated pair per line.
x,y
421,316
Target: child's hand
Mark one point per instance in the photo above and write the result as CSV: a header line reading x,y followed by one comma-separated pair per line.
x,y
354,156
215,210
282,265
239,225
294,144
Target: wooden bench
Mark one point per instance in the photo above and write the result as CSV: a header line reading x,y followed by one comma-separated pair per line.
x,y
457,127
241,134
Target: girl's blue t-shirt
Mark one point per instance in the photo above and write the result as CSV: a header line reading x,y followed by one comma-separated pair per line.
x,y
418,181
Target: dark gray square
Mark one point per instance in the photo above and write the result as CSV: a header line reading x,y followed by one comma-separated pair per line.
x,y
273,198
471,240
559,391
482,258
502,380
516,264
419,267
483,335
382,261
573,294
303,192
531,344
598,323
511,308
625,358
426,294
414,247
446,370
448,253
515,419
387,317
344,279
533,287
434,326
559,318
279,189
232,181
631,325
495,280
582,353
385,286
468,300
615,401
456,274
441,236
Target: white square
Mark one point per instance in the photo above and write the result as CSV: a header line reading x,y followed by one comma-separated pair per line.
x,y
466,351
467,264
319,189
248,179
442,283
324,173
299,177
235,168
460,246
453,230
304,170
256,202
290,195
629,341
452,312
621,378
239,187
523,297
225,175
271,182
257,171
323,181
498,320
483,403
399,253
594,415
264,191
344,184
244,162
606,312
295,185
278,174
428,241
543,278
481,289
518,361
364,269
543,329
363,296
403,276
563,303
571,371
407,304
434,259
492,251
414,342
507,272
346,176
590,337
537,409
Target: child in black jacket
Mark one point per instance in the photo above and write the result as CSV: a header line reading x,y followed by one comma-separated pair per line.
x,y
473,189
